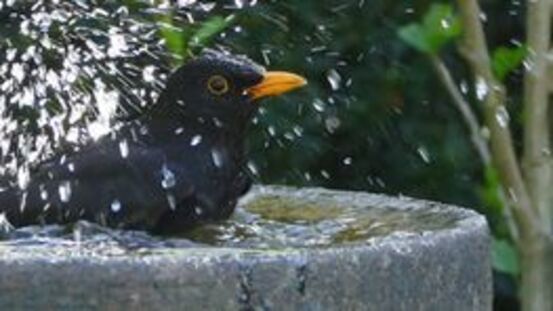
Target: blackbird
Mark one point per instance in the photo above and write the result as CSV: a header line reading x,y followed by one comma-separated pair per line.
x,y
179,164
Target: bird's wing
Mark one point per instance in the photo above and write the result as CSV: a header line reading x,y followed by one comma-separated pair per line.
x,y
122,183
107,158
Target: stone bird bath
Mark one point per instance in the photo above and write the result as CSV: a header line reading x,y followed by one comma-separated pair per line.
x,y
284,249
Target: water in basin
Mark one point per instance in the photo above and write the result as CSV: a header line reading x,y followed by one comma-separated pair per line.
x,y
264,221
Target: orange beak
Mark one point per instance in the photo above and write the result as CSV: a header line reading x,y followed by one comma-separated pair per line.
x,y
275,83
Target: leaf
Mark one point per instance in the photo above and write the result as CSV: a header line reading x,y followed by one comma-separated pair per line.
x,y
414,35
506,59
209,29
490,194
504,257
173,36
179,39
439,26
492,184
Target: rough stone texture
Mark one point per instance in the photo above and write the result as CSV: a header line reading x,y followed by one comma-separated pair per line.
x,y
446,269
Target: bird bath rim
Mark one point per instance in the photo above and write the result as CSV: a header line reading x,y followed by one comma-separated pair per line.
x,y
449,268
464,222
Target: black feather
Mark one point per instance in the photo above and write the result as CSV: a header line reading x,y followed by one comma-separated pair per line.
x,y
178,165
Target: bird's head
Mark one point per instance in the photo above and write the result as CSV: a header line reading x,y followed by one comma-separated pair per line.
x,y
223,87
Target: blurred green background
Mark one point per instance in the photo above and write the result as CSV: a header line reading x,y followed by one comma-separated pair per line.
x,y
389,125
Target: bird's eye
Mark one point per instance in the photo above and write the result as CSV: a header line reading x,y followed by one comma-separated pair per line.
x,y
217,85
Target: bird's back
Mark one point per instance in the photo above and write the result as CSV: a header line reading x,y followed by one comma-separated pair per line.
x,y
140,177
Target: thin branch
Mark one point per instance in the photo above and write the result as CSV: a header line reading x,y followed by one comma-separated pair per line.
x,y
537,154
471,121
549,70
475,51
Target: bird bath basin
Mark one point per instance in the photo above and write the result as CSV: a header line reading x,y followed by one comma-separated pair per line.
x,y
284,248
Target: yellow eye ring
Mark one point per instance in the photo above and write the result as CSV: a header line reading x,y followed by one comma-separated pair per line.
x,y
218,85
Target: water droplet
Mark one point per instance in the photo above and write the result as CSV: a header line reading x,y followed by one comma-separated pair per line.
x,y
239,3
11,54
44,194
289,136
217,122
171,201
78,235
118,44
347,161
423,153
196,140
23,201
64,191
18,72
271,130
319,105
185,3
332,124
483,17
148,74
198,210
217,158
298,131
253,168
464,87
502,116
265,53
481,88
23,177
528,65
334,79
168,178
5,225
116,206
124,148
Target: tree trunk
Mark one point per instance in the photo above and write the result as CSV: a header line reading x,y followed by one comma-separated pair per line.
x,y
536,256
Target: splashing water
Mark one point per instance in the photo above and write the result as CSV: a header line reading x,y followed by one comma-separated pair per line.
x,y
168,178
196,140
74,70
64,191
115,206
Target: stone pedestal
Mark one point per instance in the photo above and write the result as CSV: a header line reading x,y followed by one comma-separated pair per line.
x,y
420,256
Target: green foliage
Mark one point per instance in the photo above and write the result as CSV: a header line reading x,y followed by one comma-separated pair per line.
x,y
179,39
490,194
414,35
173,36
504,257
492,184
209,29
505,60
394,123
439,26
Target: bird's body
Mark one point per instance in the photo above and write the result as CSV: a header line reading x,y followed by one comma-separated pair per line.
x,y
178,165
